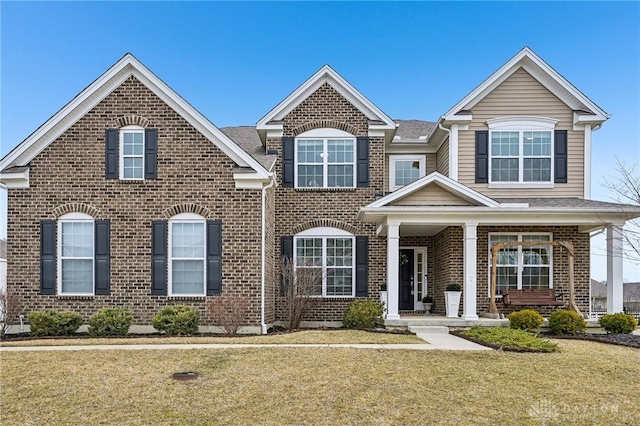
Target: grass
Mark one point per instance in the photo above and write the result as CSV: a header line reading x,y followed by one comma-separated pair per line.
x,y
507,338
585,383
306,336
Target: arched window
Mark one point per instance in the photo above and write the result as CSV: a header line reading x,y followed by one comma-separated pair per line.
x,y
328,254
76,254
325,158
187,255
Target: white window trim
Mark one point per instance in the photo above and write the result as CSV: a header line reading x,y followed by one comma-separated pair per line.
x,y
392,167
324,233
121,132
186,218
522,124
520,258
325,134
72,218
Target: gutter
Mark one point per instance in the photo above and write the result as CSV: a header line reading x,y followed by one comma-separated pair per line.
x,y
263,325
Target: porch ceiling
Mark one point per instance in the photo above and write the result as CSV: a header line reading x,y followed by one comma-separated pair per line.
x,y
420,230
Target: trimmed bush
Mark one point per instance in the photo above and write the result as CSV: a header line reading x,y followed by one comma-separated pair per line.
x,y
454,287
526,319
49,322
619,323
566,322
110,322
177,320
362,314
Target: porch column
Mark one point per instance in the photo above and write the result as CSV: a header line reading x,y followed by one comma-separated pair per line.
x,y
393,257
470,253
614,267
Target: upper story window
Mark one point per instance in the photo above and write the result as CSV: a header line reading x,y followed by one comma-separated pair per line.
x,y
404,169
187,255
76,254
521,150
325,158
132,152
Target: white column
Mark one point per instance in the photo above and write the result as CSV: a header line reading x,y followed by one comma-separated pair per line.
x,y
393,257
470,253
614,267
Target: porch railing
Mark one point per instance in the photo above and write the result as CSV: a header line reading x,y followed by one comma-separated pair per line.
x,y
598,312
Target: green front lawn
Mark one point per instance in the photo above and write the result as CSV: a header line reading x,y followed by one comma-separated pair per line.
x,y
586,383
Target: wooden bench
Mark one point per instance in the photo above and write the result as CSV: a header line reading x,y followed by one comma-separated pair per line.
x,y
535,297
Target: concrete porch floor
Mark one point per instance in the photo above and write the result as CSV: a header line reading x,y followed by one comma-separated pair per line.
x,y
407,320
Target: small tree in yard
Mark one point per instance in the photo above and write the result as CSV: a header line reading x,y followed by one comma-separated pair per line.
x,y
298,285
10,308
229,312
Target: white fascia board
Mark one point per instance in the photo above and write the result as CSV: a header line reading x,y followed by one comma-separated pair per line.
x,y
101,88
520,60
448,184
490,216
244,180
13,180
327,75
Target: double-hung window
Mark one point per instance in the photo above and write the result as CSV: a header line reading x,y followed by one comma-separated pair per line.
x,y
132,153
522,267
324,161
521,150
326,257
76,254
187,255
404,169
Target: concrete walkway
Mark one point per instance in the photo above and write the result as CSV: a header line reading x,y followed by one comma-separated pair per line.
x,y
435,338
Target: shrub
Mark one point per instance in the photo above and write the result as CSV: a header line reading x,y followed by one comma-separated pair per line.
x,y
299,285
506,338
526,319
110,322
49,322
177,320
566,322
454,287
362,314
10,308
619,323
229,312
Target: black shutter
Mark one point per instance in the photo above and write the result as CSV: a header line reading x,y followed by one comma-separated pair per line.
x,y
288,153
214,257
363,161
286,247
159,258
102,257
151,153
482,156
362,266
560,154
111,154
48,257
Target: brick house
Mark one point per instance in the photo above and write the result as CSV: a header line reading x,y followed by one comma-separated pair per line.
x,y
132,198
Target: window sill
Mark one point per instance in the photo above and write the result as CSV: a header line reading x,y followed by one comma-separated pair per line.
x,y
133,181
187,298
75,297
521,185
318,189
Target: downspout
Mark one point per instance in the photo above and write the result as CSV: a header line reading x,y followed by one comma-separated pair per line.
x,y
263,325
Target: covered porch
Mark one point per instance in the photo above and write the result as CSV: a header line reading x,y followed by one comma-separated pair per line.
x,y
455,231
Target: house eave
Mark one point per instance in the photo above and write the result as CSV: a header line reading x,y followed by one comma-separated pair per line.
x,y
15,180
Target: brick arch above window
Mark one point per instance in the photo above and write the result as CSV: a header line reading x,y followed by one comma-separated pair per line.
x,y
319,124
324,223
131,120
188,208
75,208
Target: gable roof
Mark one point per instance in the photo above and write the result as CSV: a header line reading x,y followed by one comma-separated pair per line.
x,y
545,74
249,140
328,75
127,66
448,184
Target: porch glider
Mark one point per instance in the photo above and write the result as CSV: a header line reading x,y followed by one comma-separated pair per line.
x,y
568,245
531,297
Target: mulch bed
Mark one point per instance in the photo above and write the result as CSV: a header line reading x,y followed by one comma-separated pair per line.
x,y
495,346
629,340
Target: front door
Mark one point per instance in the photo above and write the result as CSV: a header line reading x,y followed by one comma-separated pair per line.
x,y
406,280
